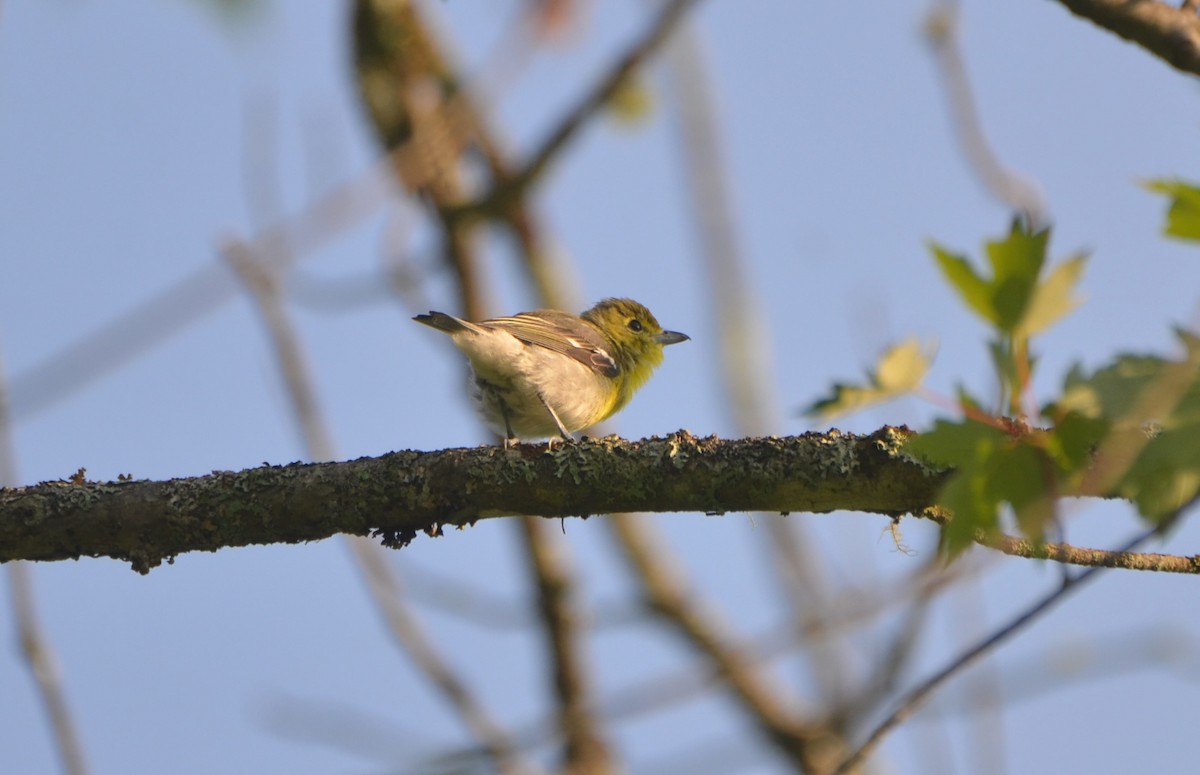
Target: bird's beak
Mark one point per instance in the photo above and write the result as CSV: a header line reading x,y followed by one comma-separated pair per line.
x,y
671,337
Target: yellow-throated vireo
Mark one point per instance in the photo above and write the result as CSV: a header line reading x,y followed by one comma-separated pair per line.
x,y
539,373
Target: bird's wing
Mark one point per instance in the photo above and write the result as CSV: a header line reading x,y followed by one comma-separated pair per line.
x,y
561,333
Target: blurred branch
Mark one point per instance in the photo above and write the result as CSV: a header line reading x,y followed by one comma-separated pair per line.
x,y
800,742
35,646
915,699
745,370
402,493
513,187
43,667
452,595
896,657
427,120
409,636
111,345
1005,184
1175,651
1172,34
848,610
585,750
400,59
261,280
263,284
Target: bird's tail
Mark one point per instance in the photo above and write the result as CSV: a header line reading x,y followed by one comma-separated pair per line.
x,y
448,323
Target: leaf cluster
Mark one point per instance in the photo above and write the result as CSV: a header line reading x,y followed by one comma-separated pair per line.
x,y
1127,429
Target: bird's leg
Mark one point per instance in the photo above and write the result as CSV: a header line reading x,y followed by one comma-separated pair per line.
x,y
510,438
566,434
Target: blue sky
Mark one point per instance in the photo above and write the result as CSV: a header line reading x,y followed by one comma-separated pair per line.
x,y
124,160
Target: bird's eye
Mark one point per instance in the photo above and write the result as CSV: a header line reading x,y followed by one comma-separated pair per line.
x,y
635,325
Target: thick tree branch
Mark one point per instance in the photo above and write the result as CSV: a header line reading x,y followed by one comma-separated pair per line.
x,y
399,494
1170,33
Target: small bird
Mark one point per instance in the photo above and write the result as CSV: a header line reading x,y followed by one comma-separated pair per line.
x,y
544,372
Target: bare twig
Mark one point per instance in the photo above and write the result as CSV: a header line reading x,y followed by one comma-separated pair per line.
x,y
35,646
1175,651
802,743
39,657
846,611
452,594
898,655
409,636
384,69
585,749
1007,185
986,730
1095,558
919,695
111,345
743,339
261,280
656,33
514,187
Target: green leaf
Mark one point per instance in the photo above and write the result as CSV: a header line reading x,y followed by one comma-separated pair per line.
x,y
1073,440
846,399
975,291
1016,262
1019,256
902,368
899,370
974,510
1014,300
950,444
1053,298
1166,475
964,446
1134,390
1137,421
1183,214
991,468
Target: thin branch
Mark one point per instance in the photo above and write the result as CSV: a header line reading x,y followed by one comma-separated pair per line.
x,y
35,646
109,346
262,281
745,369
601,94
39,657
847,610
585,749
450,593
795,739
1007,185
665,691
1174,651
514,187
429,87
986,730
916,698
1095,558
1171,34
897,656
409,636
